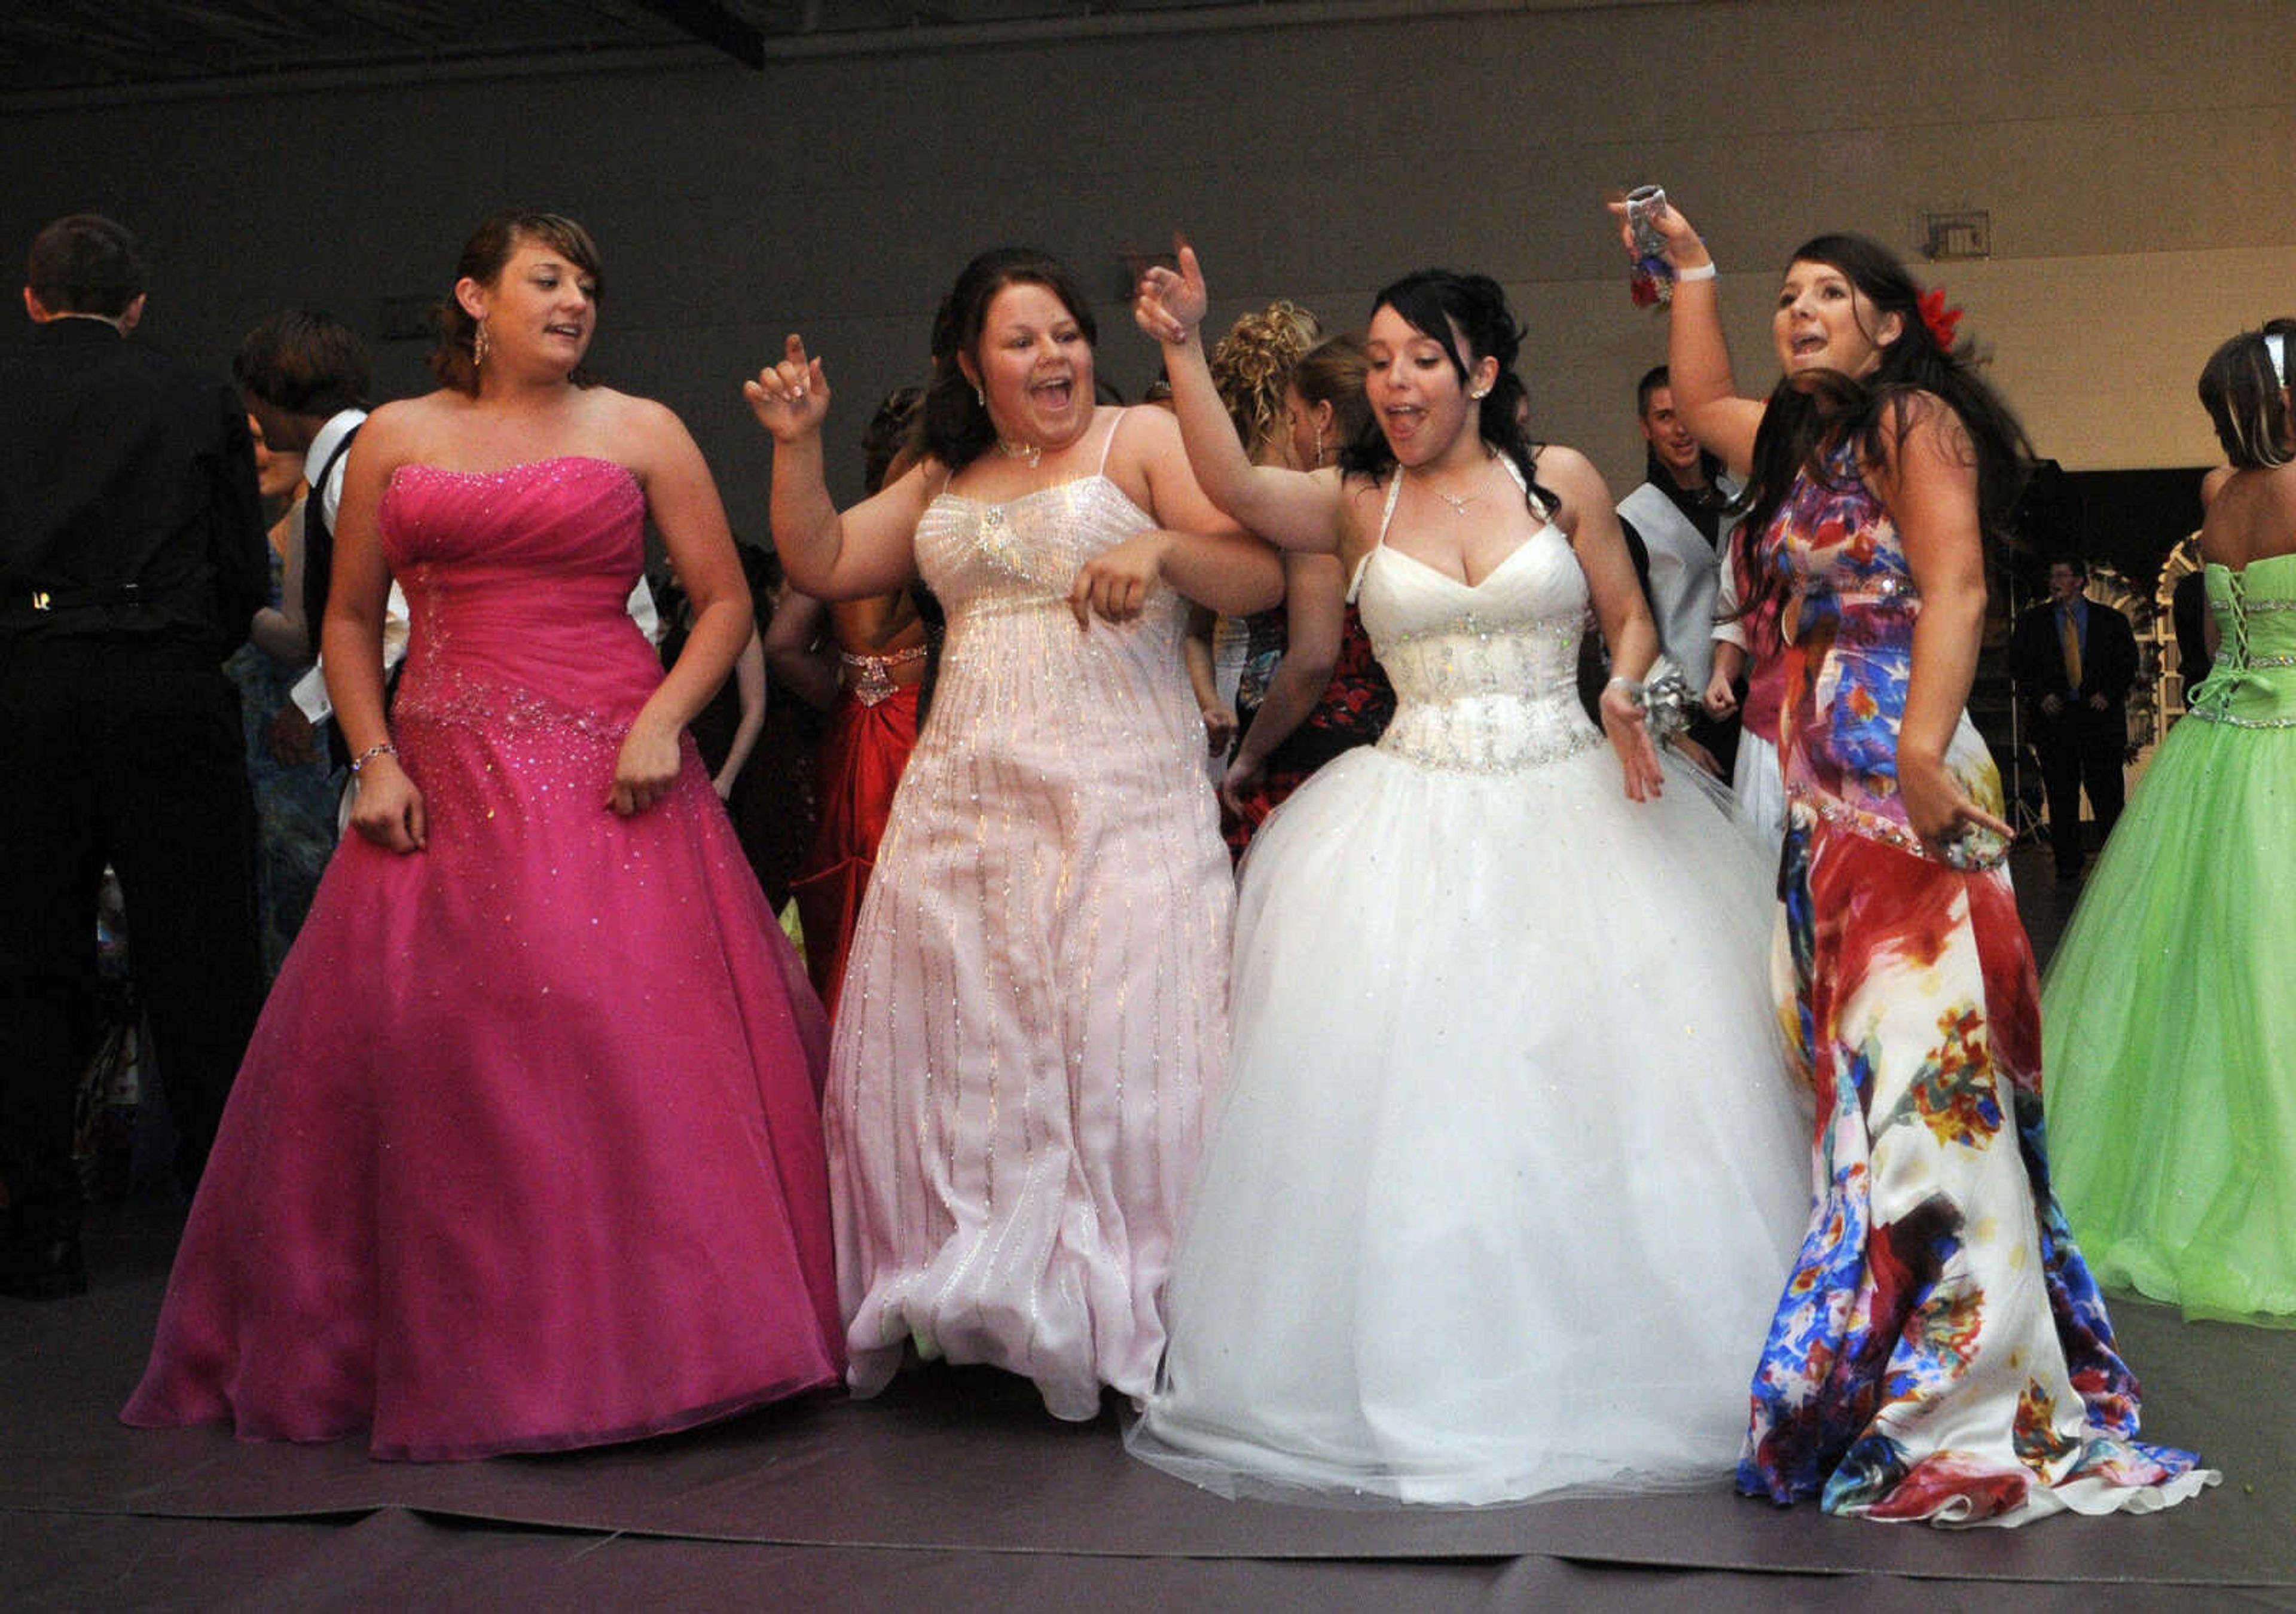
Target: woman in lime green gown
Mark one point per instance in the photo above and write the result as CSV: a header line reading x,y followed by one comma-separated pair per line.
x,y
2168,1030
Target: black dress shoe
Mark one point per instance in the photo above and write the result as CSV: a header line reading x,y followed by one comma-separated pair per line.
x,y
47,1269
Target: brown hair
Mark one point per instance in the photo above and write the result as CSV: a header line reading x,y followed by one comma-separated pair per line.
x,y
302,362
498,237
953,423
85,264
1333,373
2246,399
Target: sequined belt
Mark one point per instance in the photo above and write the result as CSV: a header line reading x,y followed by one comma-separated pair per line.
x,y
1418,735
872,676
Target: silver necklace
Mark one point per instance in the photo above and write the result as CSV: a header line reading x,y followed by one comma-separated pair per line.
x,y
1031,451
1458,503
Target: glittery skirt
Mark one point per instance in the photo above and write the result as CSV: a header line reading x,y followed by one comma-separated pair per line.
x,y
525,1152
1511,1165
1034,1014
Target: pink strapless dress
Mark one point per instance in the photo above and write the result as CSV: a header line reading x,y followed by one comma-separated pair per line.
x,y
525,1153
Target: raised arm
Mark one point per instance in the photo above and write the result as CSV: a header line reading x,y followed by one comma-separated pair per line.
x,y
1295,510
867,550
1619,606
1929,481
1706,395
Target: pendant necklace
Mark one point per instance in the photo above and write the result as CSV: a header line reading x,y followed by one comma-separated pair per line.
x,y
1458,502
1031,451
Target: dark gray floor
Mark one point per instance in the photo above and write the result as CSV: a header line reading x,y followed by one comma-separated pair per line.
x,y
955,1490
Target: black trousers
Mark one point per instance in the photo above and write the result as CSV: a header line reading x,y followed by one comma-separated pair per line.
x,y
2081,750
128,752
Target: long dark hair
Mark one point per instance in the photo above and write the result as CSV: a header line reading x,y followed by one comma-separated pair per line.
x,y
2247,400
954,425
1809,417
1434,302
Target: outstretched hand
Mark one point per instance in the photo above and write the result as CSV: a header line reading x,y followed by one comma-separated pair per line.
x,y
1171,302
1628,728
789,398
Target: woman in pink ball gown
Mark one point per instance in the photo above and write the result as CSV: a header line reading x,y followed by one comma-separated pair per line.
x,y
525,1154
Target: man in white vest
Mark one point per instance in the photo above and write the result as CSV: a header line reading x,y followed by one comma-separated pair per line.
x,y
1679,515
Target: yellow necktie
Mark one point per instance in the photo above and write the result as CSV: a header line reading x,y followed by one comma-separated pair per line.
x,y
2069,636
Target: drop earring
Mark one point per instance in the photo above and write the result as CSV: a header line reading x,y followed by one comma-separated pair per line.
x,y
479,344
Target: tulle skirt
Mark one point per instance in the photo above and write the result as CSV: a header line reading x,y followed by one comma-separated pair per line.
x,y
2170,1034
1511,1169
526,1151
1761,787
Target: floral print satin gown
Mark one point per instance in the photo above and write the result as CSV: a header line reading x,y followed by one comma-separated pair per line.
x,y
1940,1351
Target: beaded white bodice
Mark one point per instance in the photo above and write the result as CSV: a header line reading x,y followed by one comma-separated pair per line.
x,y
1486,677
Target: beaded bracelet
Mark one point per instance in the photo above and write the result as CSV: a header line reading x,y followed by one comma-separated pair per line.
x,y
382,748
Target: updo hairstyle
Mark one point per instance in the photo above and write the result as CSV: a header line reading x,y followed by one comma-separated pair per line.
x,y
454,358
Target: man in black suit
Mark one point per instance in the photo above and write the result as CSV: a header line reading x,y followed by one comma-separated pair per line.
x,y
2074,660
132,558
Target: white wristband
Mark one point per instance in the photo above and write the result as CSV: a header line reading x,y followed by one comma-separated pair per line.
x,y
1704,271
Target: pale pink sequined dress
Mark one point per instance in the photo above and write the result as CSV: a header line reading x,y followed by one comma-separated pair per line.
x,y
524,1154
1035,1012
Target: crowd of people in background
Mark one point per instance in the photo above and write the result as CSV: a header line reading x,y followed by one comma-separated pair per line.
x,y
1565,992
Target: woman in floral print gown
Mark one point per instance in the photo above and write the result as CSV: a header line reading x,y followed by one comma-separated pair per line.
x,y
1941,1352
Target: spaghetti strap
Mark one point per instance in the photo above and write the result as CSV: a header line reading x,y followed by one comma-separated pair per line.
x,y
1109,442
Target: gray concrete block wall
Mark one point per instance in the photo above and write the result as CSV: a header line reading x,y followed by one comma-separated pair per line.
x,y
2137,160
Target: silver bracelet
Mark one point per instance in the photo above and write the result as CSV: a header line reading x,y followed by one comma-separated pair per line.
x,y
382,747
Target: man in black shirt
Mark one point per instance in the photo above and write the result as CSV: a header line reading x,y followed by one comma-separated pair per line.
x,y
132,558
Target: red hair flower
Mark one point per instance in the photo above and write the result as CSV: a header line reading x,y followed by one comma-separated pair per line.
x,y
1942,321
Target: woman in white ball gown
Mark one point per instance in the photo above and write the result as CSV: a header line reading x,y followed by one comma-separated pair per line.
x,y
1511,1169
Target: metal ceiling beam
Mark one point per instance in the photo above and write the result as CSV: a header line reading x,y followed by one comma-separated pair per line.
x,y
1149,21
715,26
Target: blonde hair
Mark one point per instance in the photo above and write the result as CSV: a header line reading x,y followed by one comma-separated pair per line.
x,y
1253,365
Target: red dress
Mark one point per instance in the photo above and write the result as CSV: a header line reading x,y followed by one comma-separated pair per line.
x,y
872,732
1353,711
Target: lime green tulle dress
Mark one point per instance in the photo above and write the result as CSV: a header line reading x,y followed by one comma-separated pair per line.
x,y
2169,1025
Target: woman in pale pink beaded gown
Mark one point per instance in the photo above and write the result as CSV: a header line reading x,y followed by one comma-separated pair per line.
x,y
1035,1012
525,1153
